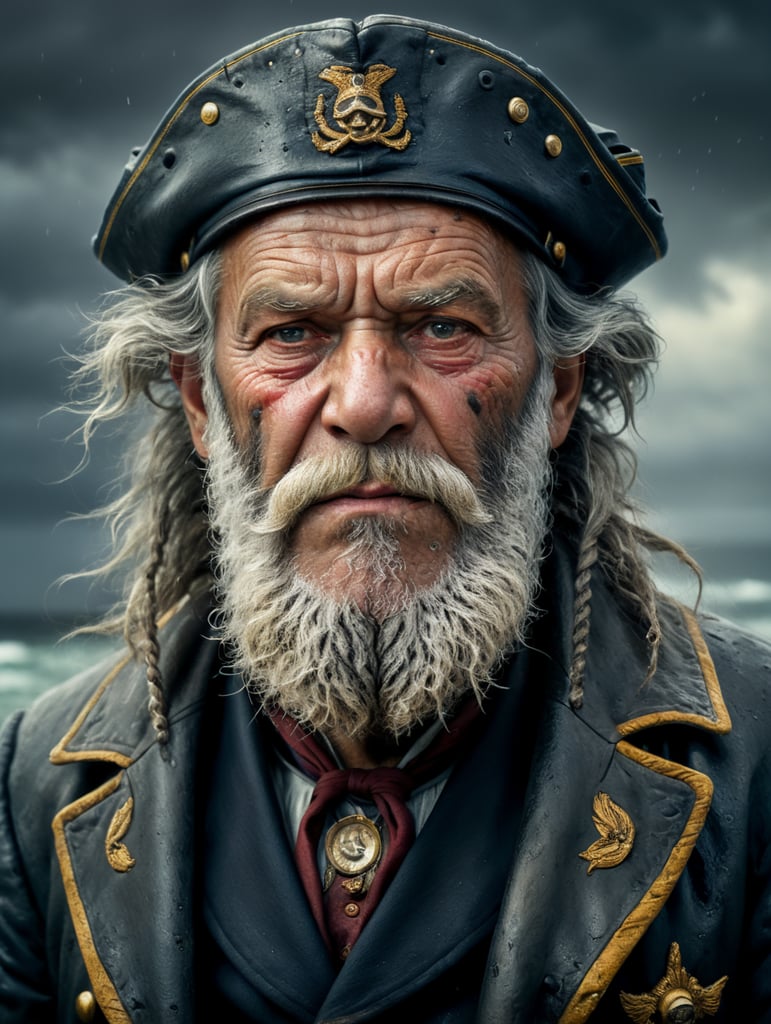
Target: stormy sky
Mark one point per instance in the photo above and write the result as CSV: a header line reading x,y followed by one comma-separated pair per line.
x,y
686,82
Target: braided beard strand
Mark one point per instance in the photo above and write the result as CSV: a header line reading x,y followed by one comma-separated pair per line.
x,y
411,654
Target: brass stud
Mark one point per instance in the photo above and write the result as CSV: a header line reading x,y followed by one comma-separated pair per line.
x,y
553,145
85,1006
210,113
184,261
518,109
559,251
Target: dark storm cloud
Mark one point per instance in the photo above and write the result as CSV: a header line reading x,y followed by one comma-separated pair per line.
x,y
688,83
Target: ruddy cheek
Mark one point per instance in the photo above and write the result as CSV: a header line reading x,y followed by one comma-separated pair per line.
x,y
491,393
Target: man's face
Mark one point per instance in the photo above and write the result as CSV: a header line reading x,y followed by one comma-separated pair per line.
x,y
371,322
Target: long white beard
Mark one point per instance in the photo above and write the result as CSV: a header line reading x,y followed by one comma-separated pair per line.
x,y
384,669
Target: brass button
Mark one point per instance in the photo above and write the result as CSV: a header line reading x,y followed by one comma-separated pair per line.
x,y
553,145
210,113
351,909
519,111
85,1006
184,261
559,251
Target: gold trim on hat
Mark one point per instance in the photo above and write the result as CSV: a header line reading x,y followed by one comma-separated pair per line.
x,y
139,169
573,124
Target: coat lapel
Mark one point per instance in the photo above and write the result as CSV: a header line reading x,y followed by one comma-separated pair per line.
x,y
125,847
568,923
254,904
133,832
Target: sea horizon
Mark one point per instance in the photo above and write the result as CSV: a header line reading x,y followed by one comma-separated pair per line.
x,y
35,654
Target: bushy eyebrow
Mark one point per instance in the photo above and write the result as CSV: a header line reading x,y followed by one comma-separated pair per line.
x,y
278,301
454,291
258,301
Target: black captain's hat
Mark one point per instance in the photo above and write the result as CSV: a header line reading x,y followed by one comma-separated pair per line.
x,y
387,107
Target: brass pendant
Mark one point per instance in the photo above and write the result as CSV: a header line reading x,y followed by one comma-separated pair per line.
x,y
353,845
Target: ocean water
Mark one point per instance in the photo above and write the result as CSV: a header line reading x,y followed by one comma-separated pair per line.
x,y
33,658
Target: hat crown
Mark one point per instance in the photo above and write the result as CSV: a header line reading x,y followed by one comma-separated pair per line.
x,y
391,107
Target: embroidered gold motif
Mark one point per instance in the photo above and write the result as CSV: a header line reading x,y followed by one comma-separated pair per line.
x,y
616,830
677,997
359,110
117,852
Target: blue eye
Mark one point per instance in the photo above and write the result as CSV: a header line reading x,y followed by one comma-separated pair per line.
x,y
442,330
289,335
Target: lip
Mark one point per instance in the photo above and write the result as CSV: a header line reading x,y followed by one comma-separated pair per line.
x,y
370,498
371,489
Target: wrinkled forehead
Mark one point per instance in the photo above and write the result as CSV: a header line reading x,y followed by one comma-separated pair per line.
x,y
403,254
393,108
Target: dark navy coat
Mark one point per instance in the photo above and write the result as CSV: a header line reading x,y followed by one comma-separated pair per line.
x,y
525,899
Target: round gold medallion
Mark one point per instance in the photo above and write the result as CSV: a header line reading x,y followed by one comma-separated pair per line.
x,y
353,845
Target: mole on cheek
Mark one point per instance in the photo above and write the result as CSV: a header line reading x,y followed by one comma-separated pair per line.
x,y
474,404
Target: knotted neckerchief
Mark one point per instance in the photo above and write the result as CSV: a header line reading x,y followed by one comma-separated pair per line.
x,y
346,901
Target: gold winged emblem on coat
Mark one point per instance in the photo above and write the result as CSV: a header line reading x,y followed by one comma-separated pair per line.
x,y
677,997
617,834
359,110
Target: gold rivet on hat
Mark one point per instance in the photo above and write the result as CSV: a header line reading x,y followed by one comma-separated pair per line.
x,y
184,261
210,113
553,145
559,251
519,111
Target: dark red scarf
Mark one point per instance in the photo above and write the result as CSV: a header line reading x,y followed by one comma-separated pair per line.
x,y
340,916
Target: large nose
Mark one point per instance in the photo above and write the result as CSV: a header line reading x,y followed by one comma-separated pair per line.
x,y
369,397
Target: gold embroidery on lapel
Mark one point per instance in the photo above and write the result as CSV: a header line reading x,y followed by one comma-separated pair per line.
x,y
607,964
720,722
359,110
616,830
676,991
106,994
117,852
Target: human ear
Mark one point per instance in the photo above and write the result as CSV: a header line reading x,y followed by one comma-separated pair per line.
x,y
568,381
186,374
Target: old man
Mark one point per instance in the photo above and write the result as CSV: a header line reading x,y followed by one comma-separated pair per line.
x,y
404,729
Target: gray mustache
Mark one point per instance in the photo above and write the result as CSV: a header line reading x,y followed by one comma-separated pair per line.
x,y
415,474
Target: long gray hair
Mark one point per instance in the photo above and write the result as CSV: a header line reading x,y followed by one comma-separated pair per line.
x,y
162,548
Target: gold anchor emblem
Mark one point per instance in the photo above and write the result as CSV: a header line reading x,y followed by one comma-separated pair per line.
x,y
677,997
359,110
